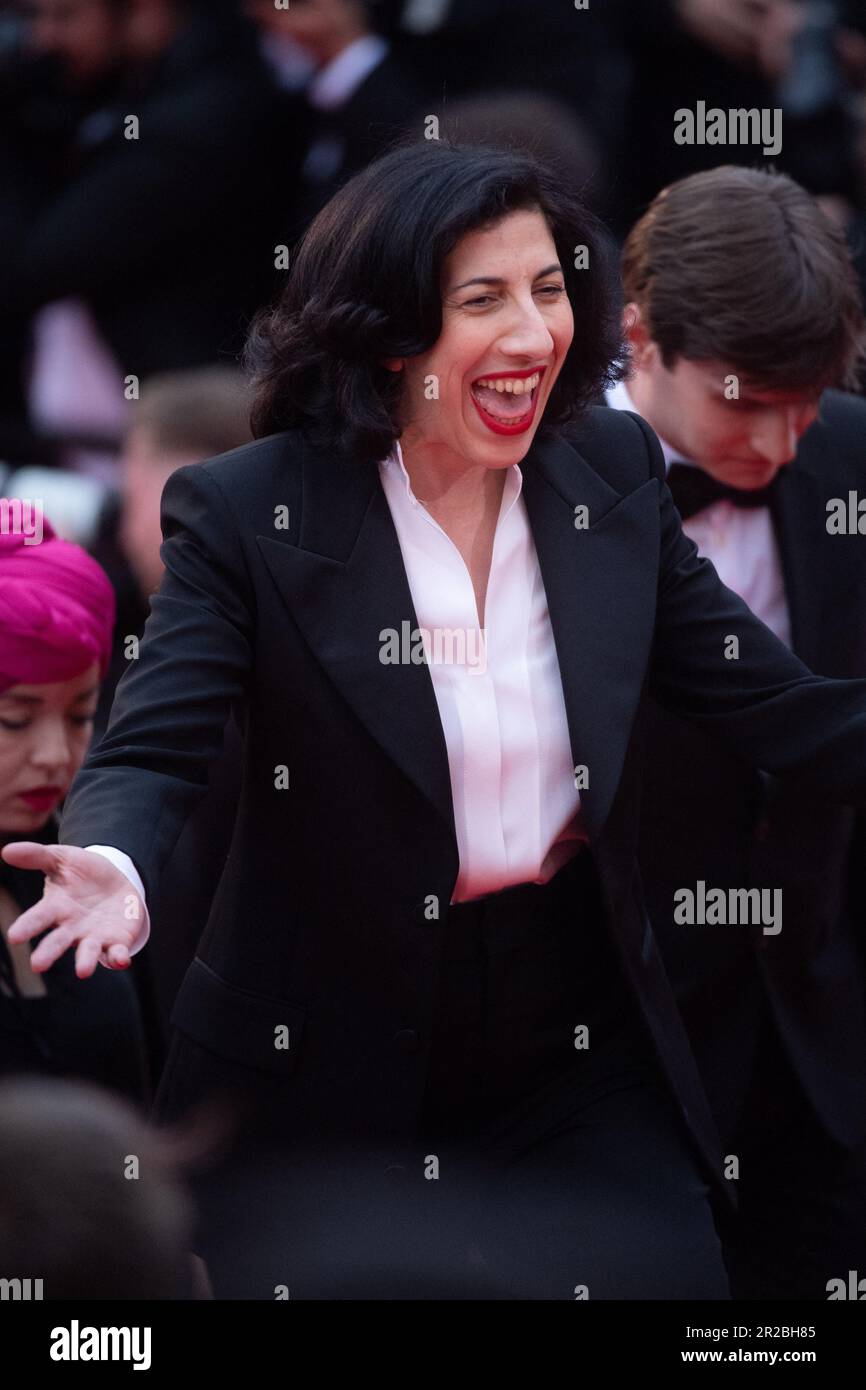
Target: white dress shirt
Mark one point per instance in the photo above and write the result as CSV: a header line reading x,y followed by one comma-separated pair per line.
x,y
499,694
342,76
516,807
740,542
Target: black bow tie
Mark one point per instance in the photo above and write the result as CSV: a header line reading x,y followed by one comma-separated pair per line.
x,y
693,489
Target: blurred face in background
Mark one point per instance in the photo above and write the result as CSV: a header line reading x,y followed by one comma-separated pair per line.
x,y
321,27
45,731
84,36
146,470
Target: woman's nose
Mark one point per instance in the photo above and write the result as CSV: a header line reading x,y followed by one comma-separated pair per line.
x,y
528,333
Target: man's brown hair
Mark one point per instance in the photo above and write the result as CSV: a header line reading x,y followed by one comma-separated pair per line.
x,y
743,266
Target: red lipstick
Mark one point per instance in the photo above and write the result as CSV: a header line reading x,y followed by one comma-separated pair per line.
x,y
522,423
41,798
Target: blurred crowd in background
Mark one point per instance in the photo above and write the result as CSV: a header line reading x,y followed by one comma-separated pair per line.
x,y
160,158
156,154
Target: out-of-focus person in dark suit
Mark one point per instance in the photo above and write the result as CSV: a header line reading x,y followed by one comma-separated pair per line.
x,y
56,619
360,97
743,309
141,237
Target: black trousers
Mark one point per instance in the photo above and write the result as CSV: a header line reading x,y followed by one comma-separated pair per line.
x,y
550,1160
545,1102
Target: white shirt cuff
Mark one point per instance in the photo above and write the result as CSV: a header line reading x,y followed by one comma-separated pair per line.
x,y
124,863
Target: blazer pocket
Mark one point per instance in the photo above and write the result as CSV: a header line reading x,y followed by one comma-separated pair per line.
x,y
252,1029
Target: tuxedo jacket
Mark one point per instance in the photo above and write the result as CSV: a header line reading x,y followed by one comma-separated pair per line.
x,y
320,933
380,110
710,814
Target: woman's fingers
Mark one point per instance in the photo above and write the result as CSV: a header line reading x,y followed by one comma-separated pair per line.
x,y
118,957
36,919
84,905
49,950
87,956
29,854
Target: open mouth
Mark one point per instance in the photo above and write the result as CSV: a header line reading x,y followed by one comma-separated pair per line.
x,y
507,404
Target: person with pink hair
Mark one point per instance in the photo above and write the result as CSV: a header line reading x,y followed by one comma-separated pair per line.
x,y
57,613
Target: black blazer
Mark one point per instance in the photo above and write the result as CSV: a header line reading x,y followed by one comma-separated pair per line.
x,y
708,814
318,923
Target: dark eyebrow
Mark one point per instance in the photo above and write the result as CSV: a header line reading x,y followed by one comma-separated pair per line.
x,y
36,699
497,279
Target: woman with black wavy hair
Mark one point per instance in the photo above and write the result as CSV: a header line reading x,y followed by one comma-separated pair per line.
x,y
435,608
366,286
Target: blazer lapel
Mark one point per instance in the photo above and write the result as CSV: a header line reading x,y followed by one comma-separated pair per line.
x,y
345,584
601,581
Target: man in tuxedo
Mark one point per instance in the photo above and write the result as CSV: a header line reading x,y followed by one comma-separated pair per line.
x,y
742,311
360,97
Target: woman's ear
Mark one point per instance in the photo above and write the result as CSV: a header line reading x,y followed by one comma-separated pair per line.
x,y
394,364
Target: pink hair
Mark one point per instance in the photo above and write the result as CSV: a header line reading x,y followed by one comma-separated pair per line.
x,y
57,609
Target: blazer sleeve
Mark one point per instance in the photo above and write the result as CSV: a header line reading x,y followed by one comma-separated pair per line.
x,y
718,665
149,770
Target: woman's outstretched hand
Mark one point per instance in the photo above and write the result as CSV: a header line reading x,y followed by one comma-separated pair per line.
x,y
88,902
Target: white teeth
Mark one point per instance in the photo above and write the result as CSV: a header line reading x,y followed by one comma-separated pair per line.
x,y
515,386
